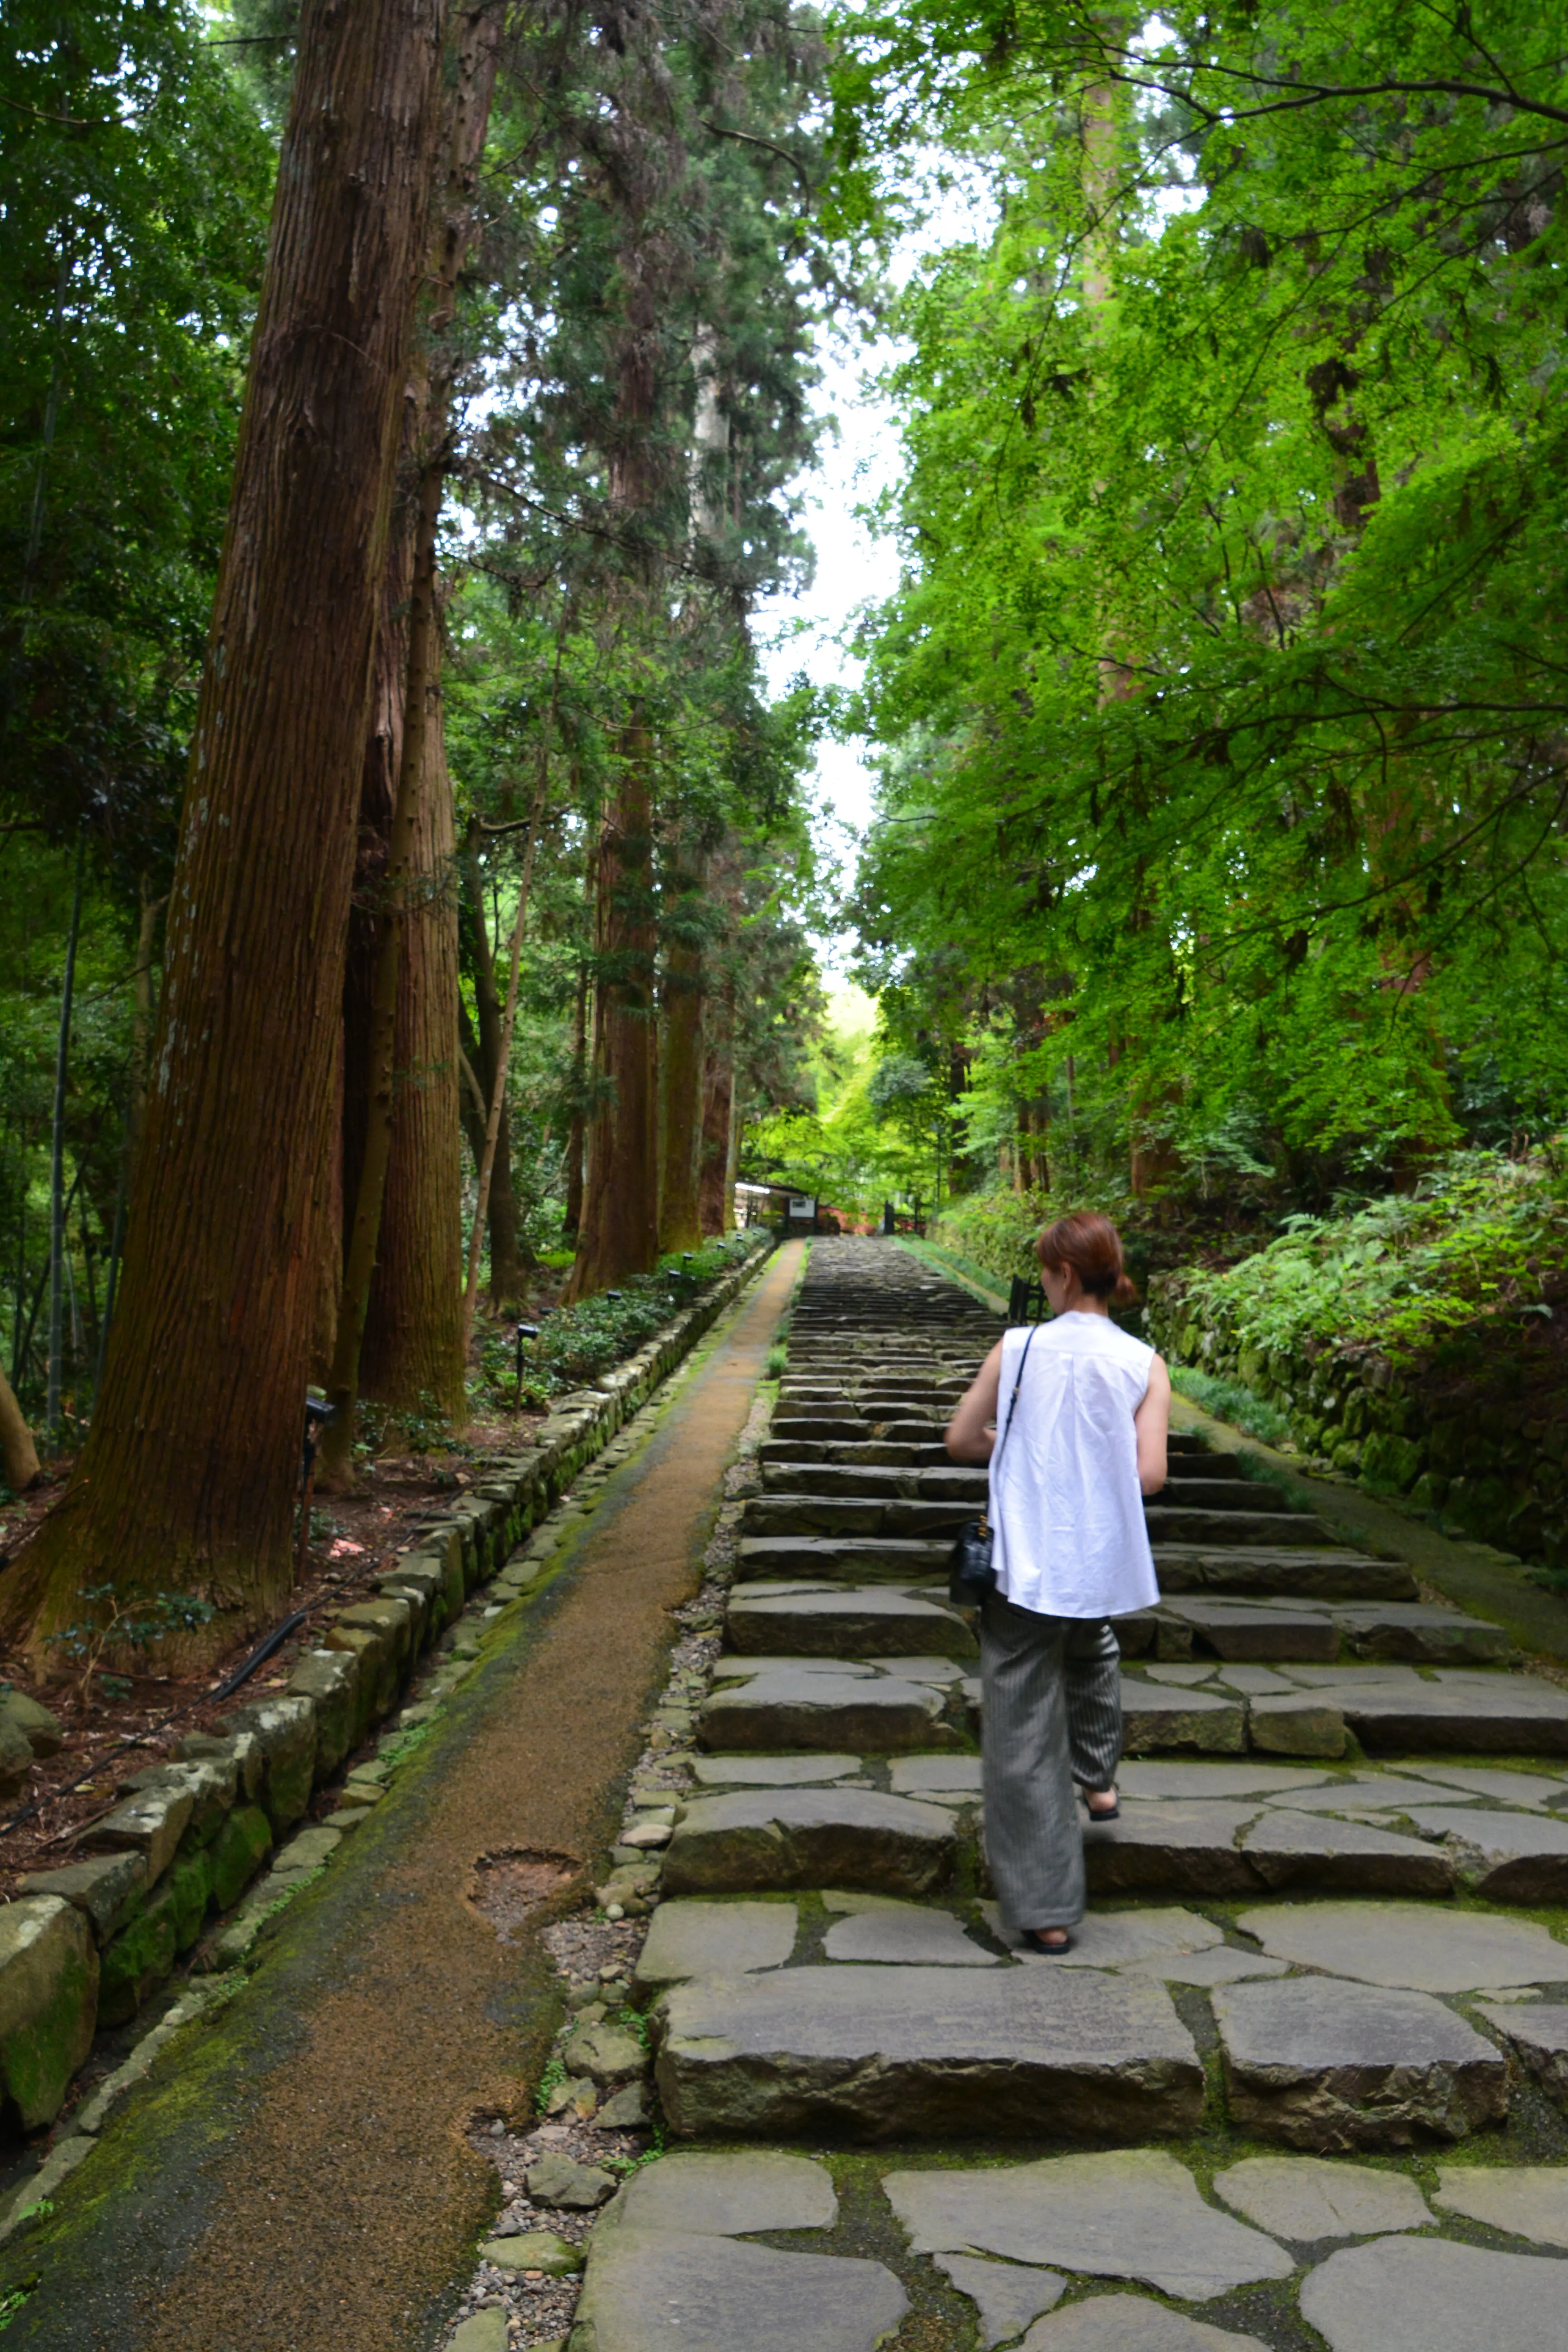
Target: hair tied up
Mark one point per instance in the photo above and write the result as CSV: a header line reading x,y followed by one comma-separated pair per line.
x,y
1092,1245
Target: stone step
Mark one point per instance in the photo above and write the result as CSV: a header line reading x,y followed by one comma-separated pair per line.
x,y
804,1704
867,1621
1332,2066
953,1483
885,1469
1410,1629
870,2052
856,1454
1278,1571
1201,1830
1200,1462
1158,1719
837,1415
782,1513
1215,1849
1176,1523
768,1840
1476,1715
882,1703
1388,1710
1240,1628
1372,2057
848,1558
871,1619
804,1515
1241,1631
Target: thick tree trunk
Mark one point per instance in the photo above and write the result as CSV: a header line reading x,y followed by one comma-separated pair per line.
x,y
58,1239
188,1479
418,1336
335,1471
577,1133
378,795
135,1106
142,1013
619,1232
412,1356
681,1073
329,1221
500,1210
716,1183
18,1454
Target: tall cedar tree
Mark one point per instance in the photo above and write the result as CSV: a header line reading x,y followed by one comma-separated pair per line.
x,y
676,163
399,1054
189,1477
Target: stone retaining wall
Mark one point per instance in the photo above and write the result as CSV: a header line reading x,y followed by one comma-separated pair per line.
x,y
1473,1432
86,1946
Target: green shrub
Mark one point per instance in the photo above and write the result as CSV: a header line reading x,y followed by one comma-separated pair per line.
x,y
1480,1236
576,1344
1229,1400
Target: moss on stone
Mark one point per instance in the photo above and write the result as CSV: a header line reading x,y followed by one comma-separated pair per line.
x,y
47,2002
190,1892
243,1846
138,1958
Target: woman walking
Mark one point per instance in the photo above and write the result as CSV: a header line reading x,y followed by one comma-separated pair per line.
x,y
1072,1416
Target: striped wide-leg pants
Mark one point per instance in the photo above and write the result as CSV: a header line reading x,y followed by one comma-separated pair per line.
x,y
1051,1717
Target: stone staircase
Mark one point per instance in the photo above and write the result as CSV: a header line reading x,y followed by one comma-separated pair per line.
x,y
1352,1784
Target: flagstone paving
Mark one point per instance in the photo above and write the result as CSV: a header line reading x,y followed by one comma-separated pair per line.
x,y
1135,2213
1408,2294
1006,2296
649,2289
1306,2199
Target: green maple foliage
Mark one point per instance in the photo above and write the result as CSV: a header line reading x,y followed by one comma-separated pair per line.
x,y
1223,691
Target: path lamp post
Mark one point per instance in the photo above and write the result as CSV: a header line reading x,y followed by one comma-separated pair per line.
x,y
524,1331
318,1412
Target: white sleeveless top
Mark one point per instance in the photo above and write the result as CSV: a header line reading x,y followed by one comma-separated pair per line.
x,y
1065,1508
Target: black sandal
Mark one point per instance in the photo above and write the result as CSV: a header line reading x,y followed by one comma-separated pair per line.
x,y
1031,1937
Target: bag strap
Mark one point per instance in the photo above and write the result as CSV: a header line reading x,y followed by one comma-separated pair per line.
x,y
1011,1407
1013,1400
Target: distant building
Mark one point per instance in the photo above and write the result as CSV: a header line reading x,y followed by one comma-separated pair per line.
x,y
796,1212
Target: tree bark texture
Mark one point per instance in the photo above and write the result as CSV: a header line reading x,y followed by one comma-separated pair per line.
x,y
619,1232
18,1454
412,1355
188,1479
500,1209
577,1133
378,795
336,1462
58,1263
681,1075
418,1335
716,1197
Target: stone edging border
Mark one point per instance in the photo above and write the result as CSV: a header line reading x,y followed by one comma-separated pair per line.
x,y
88,1943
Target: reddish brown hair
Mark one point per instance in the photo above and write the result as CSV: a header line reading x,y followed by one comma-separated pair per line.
x,y
1092,1245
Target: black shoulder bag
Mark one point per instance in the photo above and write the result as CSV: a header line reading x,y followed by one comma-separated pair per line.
x,y
971,1572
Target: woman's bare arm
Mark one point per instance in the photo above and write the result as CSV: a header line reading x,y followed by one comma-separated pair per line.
x,y
971,1433
1152,1422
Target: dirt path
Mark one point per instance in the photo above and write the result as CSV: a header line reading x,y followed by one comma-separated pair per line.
x,y
304,2185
